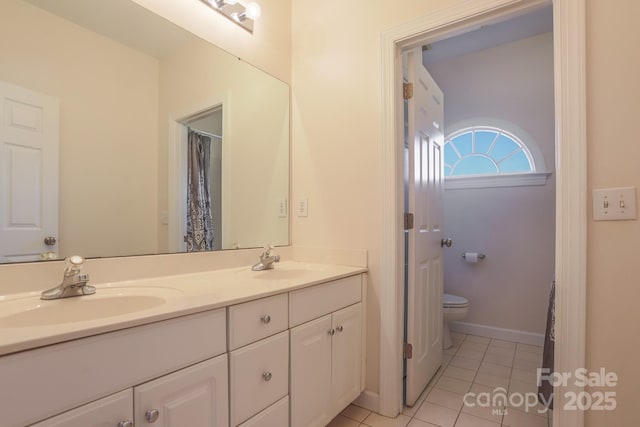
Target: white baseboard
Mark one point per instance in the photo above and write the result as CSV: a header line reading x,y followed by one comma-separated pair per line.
x,y
498,333
368,400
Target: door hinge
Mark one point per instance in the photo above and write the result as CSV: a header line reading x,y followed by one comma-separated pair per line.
x,y
407,90
407,352
408,221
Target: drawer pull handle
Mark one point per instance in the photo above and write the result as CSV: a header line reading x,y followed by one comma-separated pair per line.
x,y
127,423
266,376
331,331
152,415
265,319
339,328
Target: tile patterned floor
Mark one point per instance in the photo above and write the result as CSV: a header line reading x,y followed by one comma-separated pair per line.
x,y
474,364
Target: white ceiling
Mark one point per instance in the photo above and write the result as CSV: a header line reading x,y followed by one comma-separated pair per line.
x,y
528,25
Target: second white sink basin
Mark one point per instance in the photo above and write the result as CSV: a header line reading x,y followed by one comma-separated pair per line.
x,y
106,302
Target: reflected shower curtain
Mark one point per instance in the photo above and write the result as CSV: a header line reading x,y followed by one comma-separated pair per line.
x,y
199,219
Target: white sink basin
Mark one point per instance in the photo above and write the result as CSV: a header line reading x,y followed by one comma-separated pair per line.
x,y
31,311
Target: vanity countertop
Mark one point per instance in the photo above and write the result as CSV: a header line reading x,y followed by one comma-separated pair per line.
x,y
179,295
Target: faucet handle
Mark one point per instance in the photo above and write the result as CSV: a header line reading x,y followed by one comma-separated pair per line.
x,y
73,264
266,251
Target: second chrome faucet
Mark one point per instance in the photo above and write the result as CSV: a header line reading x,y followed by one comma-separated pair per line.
x,y
267,258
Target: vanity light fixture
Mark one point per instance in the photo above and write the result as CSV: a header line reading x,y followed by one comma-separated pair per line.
x,y
252,11
235,11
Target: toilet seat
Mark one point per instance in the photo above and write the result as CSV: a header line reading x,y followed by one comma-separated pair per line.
x,y
454,301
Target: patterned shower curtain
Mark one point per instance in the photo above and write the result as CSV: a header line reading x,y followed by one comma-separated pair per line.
x,y
199,219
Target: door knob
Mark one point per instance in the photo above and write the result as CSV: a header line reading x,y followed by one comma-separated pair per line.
x,y
446,242
127,423
50,241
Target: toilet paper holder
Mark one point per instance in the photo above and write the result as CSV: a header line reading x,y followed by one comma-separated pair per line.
x,y
480,255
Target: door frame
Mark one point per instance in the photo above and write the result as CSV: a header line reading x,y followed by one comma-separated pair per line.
x,y
571,186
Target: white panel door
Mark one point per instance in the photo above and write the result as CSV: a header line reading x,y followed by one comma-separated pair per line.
x,y
196,397
107,412
310,391
346,357
29,173
425,189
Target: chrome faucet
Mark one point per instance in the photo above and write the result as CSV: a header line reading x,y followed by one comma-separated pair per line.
x,y
266,259
73,283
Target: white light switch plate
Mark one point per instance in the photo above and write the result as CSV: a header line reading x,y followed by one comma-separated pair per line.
x,y
612,204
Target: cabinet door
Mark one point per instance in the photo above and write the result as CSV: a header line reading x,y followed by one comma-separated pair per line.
x,y
196,397
310,391
106,412
346,357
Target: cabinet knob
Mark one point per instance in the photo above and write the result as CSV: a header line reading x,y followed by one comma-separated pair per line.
x,y
127,423
265,318
331,331
152,415
266,376
339,328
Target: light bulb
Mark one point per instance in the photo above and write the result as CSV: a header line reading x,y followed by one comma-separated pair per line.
x,y
253,11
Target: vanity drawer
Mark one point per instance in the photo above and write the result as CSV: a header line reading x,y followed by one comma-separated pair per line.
x,y
254,320
259,376
275,415
316,301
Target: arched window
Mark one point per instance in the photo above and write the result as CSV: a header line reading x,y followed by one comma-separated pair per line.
x,y
485,151
477,156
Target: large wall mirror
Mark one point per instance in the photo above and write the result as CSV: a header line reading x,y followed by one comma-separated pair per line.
x,y
118,128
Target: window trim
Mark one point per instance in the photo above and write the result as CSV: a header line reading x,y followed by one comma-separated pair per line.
x,y
496,180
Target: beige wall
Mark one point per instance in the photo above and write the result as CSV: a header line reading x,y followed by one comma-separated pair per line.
x,y
511,83
336,147
613,108
103,174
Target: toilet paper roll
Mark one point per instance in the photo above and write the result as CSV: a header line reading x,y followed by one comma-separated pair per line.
x,y
471,257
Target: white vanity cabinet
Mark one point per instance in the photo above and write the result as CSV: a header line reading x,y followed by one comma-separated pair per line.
x,y
293,358
195,396
326,352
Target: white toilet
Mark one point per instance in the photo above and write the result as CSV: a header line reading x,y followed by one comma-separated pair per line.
x,y
454,308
